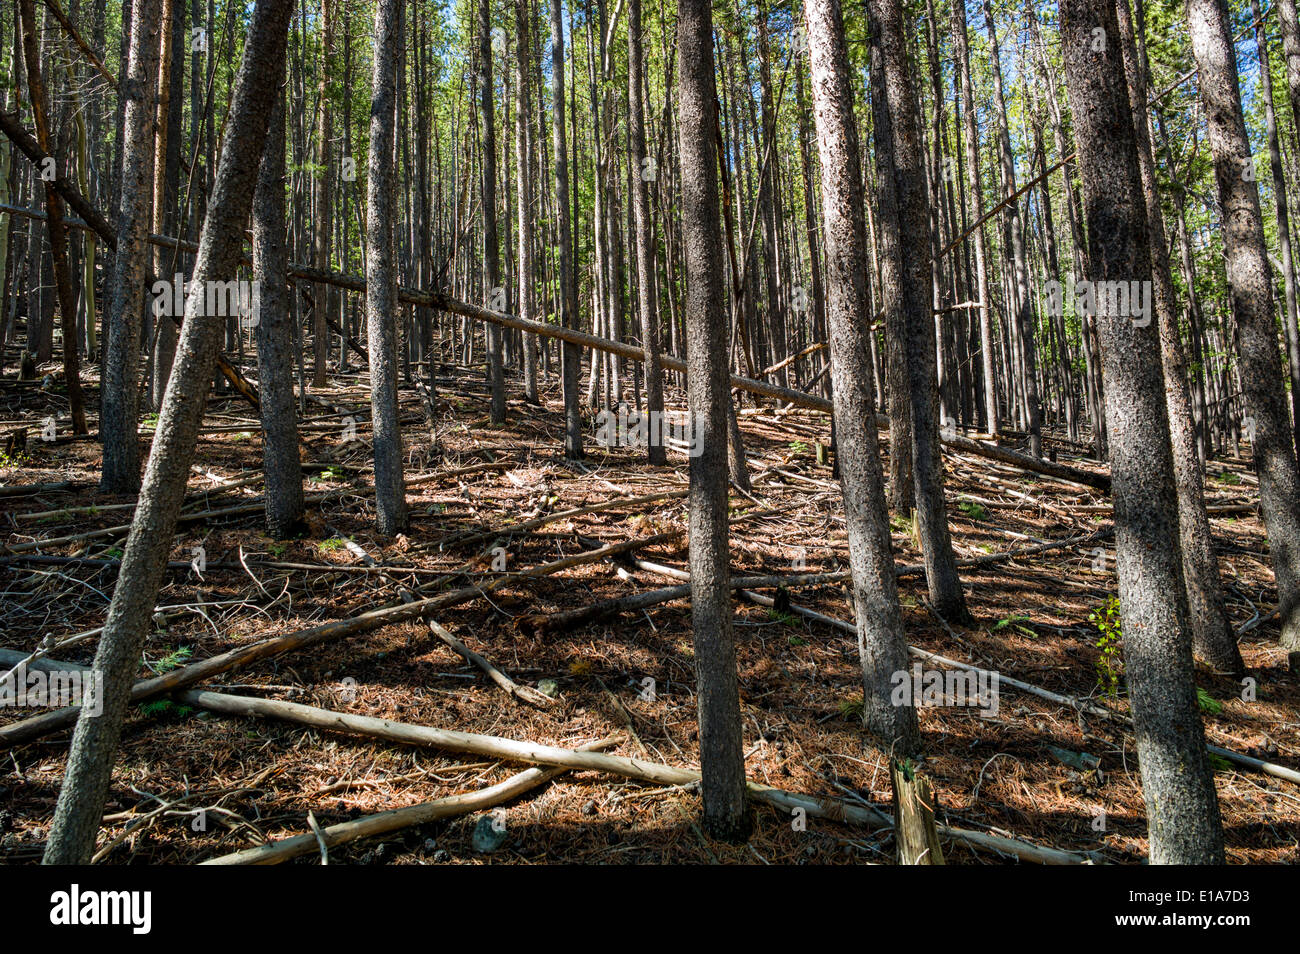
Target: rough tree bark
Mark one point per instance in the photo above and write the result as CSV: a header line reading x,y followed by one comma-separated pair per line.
x,y
899,156
645,277
491,247
381,273
280,461
881,645
120,387
1259,364
94,744
570,355
722,760
524,182
1212,637
1182,807
57,231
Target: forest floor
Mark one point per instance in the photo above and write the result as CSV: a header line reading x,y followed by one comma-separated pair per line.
x,y
1038,771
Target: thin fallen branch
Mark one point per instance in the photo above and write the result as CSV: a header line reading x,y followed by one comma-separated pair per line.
x,y
398,818
36,727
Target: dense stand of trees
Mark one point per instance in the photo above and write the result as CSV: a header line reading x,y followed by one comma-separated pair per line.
x,y
891,205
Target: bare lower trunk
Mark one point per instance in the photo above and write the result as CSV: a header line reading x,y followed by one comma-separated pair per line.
x,y
721,757
881,645
1182,808
381,273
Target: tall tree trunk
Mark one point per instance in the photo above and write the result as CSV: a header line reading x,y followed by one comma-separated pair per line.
x,y
1212,637
722,760
898,150
1022,305
166,152
491,247
975,190
120,398
58,232
570,355
323,181
524,183
1259,363
881,645
1182,808
645,170
280,461
94,744
381,272
1289,316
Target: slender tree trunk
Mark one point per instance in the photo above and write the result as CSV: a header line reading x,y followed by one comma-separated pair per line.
x,y
1289,317
570,355
280,461
1182,808
491,246
322,196
722,760
524,183
381,272
94,744
645,170
58,232
120,399
898,150
881,645
1212,637
975,190
1259,363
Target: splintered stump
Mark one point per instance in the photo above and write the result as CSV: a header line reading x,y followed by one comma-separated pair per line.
x,y
915,831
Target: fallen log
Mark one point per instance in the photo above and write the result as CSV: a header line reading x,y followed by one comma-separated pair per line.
x,y
384,822
638,769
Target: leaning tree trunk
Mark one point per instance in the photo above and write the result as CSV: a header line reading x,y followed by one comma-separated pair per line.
x,y
381,273
722,761
120,385
1182,808
94,744
280,461
1212,637
1259,364
1289,319
881,645
899,156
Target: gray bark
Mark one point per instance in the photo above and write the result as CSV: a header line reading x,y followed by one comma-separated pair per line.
x,y
1259,364
881,645
1182,807
94,744
120,397
381,272
900,157
1212,637
722,761
645,275
280,461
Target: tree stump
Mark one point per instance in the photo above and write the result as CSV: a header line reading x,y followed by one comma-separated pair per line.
x,y
915,833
